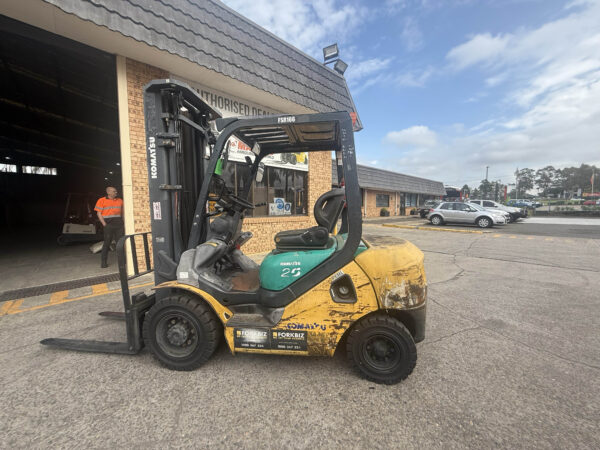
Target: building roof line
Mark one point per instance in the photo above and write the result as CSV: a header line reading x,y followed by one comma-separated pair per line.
x,y
231,64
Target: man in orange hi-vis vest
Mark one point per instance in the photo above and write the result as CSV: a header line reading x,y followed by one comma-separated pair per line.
x,y
110,214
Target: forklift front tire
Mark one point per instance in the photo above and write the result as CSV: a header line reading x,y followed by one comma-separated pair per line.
x,y
182,332
382,349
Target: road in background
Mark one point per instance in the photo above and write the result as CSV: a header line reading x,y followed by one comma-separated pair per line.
x,y
585,228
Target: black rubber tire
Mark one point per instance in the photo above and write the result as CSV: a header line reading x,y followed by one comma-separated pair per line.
x,y
185,308
484,222
62,241
441,221
378,328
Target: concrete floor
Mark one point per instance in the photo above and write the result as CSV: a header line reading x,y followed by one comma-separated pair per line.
x,y
511,359
31,257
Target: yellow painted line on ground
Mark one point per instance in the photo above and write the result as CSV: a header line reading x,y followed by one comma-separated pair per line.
x,y
497,235
58,297
14,306
512,237
418,227
530,238
5,307
99,289
549,239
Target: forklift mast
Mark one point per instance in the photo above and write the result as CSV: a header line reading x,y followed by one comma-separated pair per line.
x,y
178,139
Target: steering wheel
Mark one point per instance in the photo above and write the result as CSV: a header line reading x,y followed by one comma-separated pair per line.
x,y
245,204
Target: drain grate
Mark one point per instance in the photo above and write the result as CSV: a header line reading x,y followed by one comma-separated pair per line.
x,y
55,287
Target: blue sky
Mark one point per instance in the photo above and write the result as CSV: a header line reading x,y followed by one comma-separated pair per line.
x,y
445,88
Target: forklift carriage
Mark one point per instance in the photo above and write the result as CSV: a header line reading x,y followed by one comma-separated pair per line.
x,y
318,289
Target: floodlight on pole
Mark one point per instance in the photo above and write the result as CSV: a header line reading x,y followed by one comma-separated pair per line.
x,y
340,66
330,52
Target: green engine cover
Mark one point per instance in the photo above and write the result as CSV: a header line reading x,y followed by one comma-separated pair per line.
x,y
280,269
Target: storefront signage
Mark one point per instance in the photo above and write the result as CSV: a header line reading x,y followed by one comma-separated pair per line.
x,y
238,151
228,105
280,207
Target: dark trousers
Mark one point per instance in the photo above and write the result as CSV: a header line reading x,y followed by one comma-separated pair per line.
x,y
112,232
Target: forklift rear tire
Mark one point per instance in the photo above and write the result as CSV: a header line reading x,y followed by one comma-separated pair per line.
x,y
182,332
381,349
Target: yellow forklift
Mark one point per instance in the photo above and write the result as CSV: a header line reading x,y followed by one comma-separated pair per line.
x,y
315,292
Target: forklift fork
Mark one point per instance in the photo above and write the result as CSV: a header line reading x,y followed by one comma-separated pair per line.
x,y
135,307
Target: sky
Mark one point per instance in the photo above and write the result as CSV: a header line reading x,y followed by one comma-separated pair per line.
x,y
445,88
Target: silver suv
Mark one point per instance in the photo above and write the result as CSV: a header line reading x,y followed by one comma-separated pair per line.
x,y
458,212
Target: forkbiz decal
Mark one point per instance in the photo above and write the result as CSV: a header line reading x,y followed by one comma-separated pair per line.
x,y
251,338
269,339
288,340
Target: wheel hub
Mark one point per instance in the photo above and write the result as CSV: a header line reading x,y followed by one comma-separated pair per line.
x,y
381,350
178,334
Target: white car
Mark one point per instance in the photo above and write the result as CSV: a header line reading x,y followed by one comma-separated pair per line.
x,y
515,213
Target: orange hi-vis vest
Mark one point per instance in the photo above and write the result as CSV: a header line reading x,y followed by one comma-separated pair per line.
x,y
109,208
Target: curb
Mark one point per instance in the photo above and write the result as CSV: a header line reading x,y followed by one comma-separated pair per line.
x,y
419,227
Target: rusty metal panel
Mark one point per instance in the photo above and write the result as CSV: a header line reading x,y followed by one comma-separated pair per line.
x,y
397,273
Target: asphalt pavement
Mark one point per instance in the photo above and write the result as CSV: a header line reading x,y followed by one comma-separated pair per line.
x,y
511,359
533,226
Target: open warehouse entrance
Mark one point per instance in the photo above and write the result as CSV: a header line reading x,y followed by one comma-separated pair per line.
x,y
59,135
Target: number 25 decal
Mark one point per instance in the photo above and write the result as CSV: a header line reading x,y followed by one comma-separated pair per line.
x,y
295,272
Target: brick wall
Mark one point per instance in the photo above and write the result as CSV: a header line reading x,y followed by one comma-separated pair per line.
x,y
373,210
138,75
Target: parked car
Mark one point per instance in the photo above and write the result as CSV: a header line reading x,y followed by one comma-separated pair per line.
x,y
517,203
458,212
429,204
592,202
515,213
506,215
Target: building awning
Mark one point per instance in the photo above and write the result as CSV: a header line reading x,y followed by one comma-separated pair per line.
x,y
386,180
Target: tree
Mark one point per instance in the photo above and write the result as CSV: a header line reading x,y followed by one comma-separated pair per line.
x,y
574,178
546,178
475,193
485,187
525,179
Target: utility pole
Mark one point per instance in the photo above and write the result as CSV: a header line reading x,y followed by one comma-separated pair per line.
x,y
593,179
486,172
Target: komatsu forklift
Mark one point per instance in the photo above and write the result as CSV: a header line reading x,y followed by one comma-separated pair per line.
x,y
316,291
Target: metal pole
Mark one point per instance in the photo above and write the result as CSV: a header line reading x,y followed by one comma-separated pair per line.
x,y
486,172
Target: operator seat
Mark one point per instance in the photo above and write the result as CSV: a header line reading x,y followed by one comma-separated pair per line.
x,y
328,208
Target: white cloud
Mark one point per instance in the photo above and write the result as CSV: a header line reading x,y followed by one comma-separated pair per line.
x,y
306,24
411,35
480,49
550,106
366,69
417,136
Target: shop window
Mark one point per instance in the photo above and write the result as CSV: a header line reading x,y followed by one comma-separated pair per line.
x,y
8,168
35,170
281,192
382,200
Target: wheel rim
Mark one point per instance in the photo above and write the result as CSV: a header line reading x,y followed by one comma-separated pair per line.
x,y
382,352
435,220
484,223
177,334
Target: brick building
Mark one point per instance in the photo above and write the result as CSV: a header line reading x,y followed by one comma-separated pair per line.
x,y
73,81
396,192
